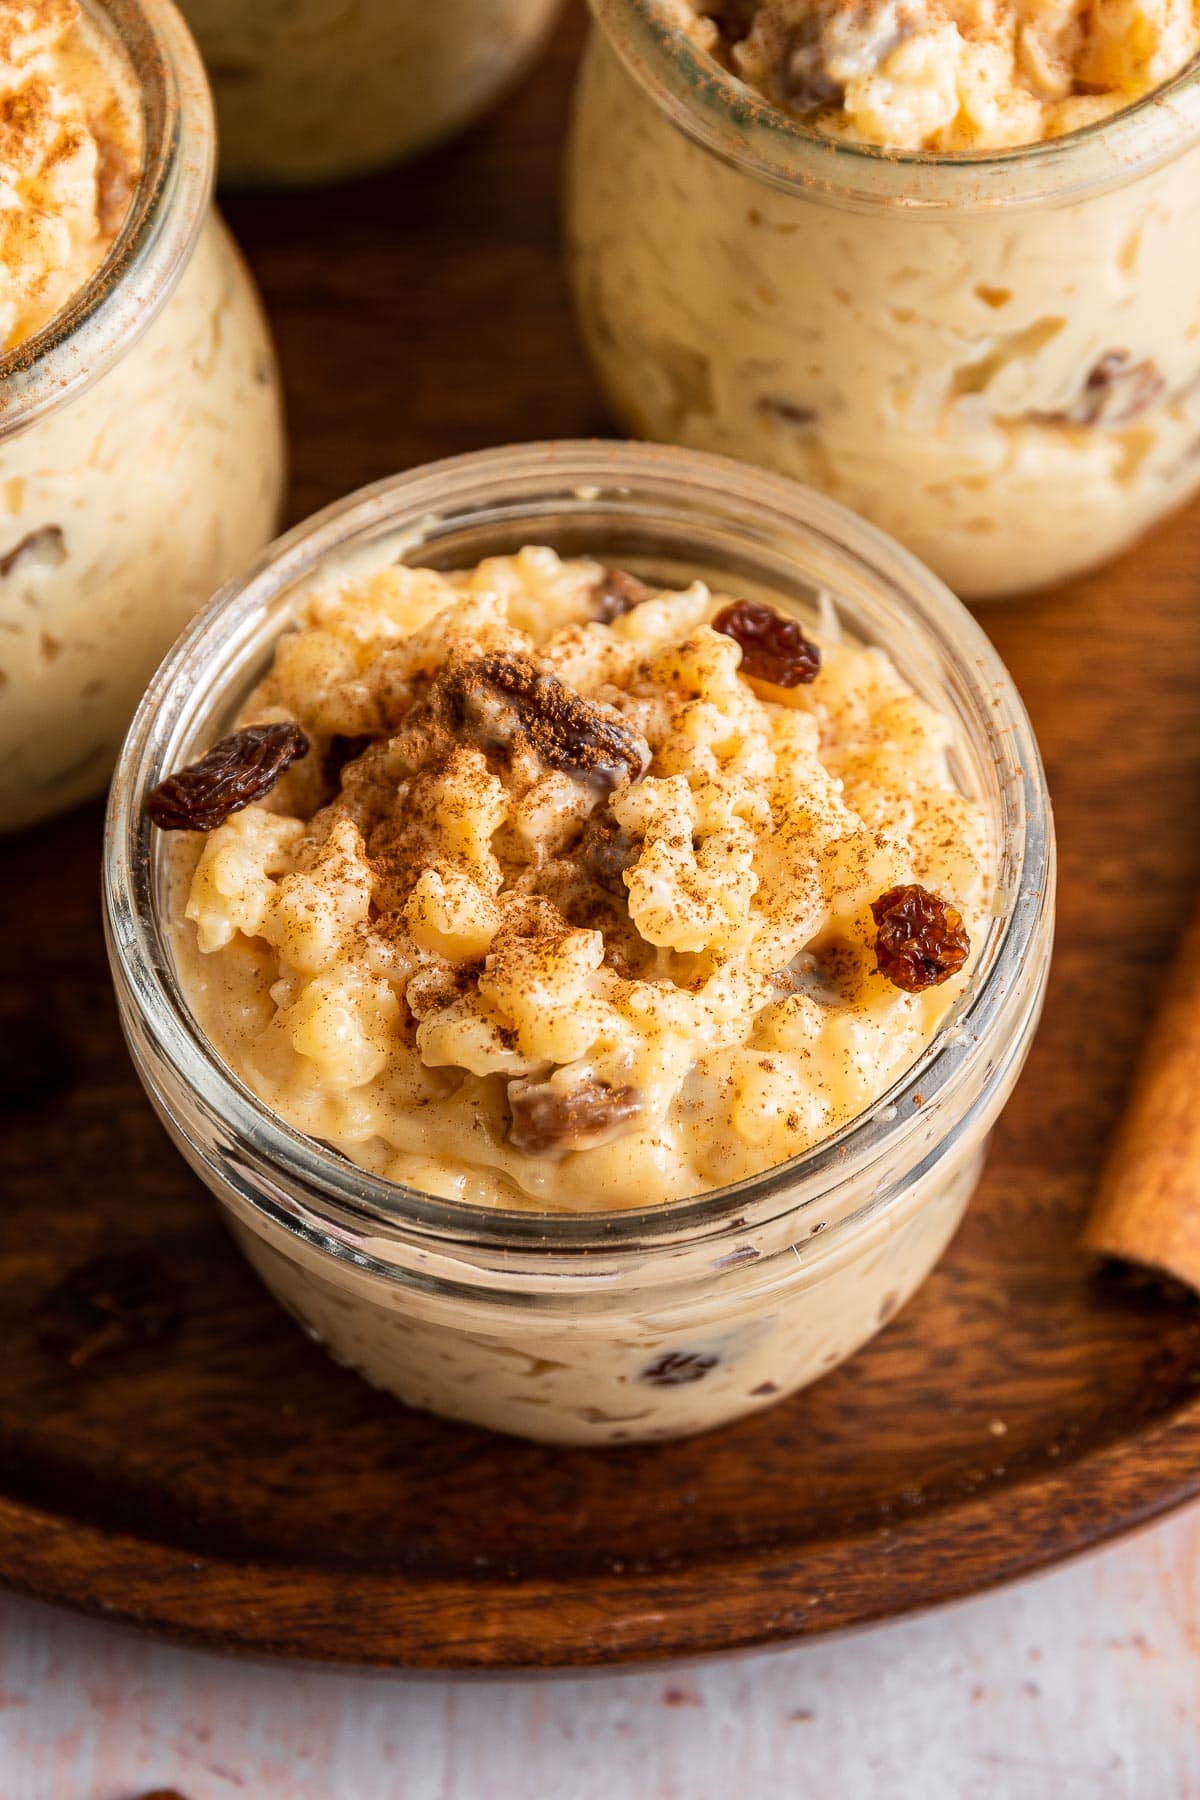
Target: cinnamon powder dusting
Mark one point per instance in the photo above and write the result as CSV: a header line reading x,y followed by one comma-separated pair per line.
x,y
570,905
71,153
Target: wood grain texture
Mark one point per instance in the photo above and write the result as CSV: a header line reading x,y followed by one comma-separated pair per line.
x,y
231,1486
1080,1686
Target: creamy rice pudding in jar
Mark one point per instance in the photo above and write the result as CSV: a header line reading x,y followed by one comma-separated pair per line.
x,y
316,90
141,450
581,909
938,258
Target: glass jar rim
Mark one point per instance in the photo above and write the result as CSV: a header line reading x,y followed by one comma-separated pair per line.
x,y
354,1208
710,105
122,297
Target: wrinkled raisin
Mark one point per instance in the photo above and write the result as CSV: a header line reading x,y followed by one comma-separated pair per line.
x,y
617,593
46,544
921,940
498,697
605,851
732,18
788,412
340,751
801,79
678,1368
242,768
548,1121
1117,391
773,647
111,1303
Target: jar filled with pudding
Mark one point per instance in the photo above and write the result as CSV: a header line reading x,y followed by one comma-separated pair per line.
x,y
314,90
141,441
940,260
581,909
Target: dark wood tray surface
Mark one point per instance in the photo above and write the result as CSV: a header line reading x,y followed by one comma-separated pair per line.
x,y
233,1488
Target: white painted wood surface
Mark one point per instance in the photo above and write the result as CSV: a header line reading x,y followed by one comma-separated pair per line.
x,y
1083,1685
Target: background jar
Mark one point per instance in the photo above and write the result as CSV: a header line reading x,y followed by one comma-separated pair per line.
x,y
141,449
995,358
313,90
604,1327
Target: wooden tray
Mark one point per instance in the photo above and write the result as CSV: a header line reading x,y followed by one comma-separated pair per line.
x,y
231,1487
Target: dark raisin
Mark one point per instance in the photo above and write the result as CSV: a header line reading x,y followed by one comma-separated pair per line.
x,y
45,544
1117,391
605,851
109,1304
617,593
547,1120
499,697
800,58
678,1368
801,79
788,412
242,768
921,940
340,751
732,18
773,647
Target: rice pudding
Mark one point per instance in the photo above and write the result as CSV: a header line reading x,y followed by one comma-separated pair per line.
x,y
576,899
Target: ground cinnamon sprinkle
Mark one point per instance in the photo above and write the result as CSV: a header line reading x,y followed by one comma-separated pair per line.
x,y
70,153
572,901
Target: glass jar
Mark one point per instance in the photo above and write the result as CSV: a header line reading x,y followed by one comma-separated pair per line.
x,y
995,358
604,1327
314,90
141,449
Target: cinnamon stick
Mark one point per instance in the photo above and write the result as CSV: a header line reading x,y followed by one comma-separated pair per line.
x,y
1147,1209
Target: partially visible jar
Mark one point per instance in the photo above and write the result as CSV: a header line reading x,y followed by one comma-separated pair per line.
x,y
315,90
996,358
141,447
601,1327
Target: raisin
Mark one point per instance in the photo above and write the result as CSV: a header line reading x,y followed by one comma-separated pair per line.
x,y
243,767
921,940
773,647
788,412
1117,391
805,62
549,1121
111,1303
47,544
678,1368
340,751
605,851
801,81
498,697
732,18
617,593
